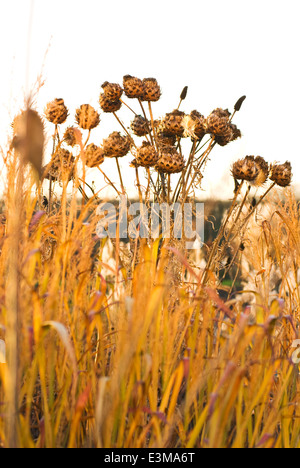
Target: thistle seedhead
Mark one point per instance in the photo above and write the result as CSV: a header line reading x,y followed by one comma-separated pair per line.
x,y
56,111
217,122
87,117
281,174
147,155
173,123
72,136
140,126
61,165
107,105
113,91
170,161
152,90
116,145
133,87
94,155
245,169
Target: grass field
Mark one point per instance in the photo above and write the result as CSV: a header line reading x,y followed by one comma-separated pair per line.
x,y
145,343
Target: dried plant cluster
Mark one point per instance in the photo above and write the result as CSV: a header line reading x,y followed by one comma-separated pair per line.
x,y
145,344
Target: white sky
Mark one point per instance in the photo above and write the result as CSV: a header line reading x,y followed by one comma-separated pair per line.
x,y
220,49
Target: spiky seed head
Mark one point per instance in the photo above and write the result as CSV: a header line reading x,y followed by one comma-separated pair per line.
x,y
147,155
199,124
152,90
107,105
165,139
71,136
173,123
245,169
94,155
170,161
232,133
56,111
87,117
281,174
140,126
133,87
218,122
61,165
116,145
113,91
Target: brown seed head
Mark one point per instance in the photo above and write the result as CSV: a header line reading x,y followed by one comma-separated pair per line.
x,y
245,169
281,174
71,136
173,123
152,90
56,111
116,145
140,126
107,105
87,117
218,122
113,91
133,87
94,155
147,155
60,166
170,161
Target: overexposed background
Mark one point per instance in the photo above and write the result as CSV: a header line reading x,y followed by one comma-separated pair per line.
x,y
220,49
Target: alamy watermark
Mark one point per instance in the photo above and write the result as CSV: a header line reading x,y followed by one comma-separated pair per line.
x,y
153,220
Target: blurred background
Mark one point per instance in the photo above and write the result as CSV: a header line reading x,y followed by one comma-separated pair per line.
x,y
220,50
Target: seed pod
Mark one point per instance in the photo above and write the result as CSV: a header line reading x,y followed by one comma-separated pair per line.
x,y
133,87
56,111
152,90
239,103
107,105
173,123
245,169
87,117
112,91
61,165
281,174
218,122
170,161
140,126
147,155
94,155
71,136
116,145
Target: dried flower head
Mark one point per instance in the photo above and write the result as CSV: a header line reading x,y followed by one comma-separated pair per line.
x,y
107,105
72,136
194,125
87,117
218,122
61,165
56,111
281,174
113,91
140,126
165,139
133,87
170,161
263,171
173,123
116,145
152,90
94,155
147,155
245,169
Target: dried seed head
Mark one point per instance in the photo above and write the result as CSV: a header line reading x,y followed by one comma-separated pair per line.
x,y
140,126
152,90
173,123
72,136
134,164
116,145
281,174
165,139
170,161
133,87
61,165
56,111
147,155
94,155
199,124
107,105
87,117
245,169
112,91
231,134
263,171
218,122
239,103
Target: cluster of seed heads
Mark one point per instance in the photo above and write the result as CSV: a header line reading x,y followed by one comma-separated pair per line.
x,y
160,148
